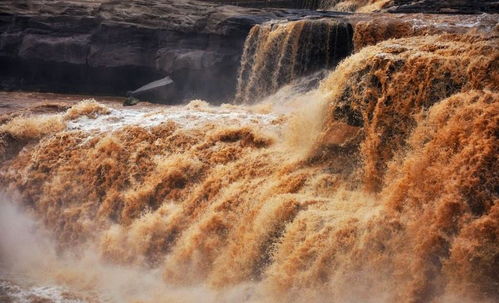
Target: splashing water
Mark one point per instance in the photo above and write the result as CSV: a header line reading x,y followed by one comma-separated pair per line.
x,y
275,54
378,186
362,6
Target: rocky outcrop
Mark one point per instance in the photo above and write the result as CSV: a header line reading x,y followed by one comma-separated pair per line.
x,y
370,29
111,47
394,6
444,6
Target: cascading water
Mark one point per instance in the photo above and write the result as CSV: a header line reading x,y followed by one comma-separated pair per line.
x,y
277,53
379,186
353,5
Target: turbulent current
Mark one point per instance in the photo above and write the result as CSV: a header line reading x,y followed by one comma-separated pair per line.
x,y
277,53
380,185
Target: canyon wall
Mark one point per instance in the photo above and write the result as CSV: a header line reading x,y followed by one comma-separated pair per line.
x,y
111,47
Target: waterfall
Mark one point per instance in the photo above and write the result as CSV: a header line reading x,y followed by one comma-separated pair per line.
x,y
277,53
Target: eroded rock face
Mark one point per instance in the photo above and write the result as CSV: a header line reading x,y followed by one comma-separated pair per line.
x,y
396,6
111,47
444,6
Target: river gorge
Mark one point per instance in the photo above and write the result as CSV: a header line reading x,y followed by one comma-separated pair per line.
x,y
341,151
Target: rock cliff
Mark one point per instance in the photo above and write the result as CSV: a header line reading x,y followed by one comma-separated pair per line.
x,y
111,47
116,46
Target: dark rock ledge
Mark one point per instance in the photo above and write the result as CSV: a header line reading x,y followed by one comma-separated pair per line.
x,y
443,6
111,47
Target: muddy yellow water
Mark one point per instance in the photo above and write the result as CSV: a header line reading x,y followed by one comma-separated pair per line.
x,y
379,186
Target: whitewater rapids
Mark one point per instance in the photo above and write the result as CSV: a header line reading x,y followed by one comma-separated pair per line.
x,y
378,186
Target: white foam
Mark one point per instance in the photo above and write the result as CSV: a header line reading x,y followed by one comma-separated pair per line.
x,y
53,294
184,116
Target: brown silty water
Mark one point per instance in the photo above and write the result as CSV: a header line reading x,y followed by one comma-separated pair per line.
x,y
363,6
379,186
275,54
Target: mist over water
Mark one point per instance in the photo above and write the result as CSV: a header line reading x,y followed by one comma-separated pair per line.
x,y
377,184
33,269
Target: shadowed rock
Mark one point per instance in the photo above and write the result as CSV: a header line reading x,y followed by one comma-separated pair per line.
x,y
444,6
111,47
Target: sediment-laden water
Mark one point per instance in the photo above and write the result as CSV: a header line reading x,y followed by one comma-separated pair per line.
x,y
380,185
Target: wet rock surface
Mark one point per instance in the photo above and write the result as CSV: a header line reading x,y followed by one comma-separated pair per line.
x,y
111,47
444,7
395,6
